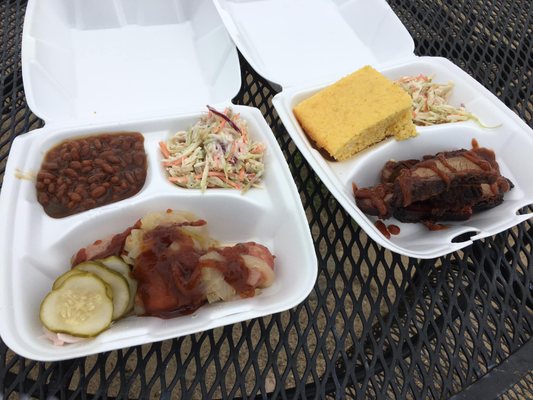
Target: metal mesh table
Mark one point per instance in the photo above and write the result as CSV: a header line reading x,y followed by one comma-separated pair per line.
x,y
376,325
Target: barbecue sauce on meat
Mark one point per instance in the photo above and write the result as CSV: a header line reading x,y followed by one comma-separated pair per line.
x,y
233,269
169,272
376,196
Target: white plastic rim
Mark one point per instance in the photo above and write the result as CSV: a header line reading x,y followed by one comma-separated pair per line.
x,y
511,140
35,249
111,60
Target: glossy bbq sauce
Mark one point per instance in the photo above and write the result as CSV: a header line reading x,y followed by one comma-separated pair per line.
x,y
432,226
382,228
169,275
393,229
233,269
387,230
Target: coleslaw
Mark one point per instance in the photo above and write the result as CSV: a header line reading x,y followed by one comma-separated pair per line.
x,y
216,152
430,101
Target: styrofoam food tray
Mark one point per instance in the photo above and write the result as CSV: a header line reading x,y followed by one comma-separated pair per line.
x,y
371,34
195,64
36,249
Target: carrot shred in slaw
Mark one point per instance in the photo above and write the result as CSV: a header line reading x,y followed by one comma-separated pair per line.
x,y
216,152
430,101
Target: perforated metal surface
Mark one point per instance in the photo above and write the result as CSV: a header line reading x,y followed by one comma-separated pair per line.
x,y
376,325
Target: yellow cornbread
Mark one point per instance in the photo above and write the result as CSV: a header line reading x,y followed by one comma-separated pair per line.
x,y
357,111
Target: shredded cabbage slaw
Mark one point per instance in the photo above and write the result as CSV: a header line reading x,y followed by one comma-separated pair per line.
x,y
216,152
430,101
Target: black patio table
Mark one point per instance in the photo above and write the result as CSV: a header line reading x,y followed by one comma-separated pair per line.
x,y
376,325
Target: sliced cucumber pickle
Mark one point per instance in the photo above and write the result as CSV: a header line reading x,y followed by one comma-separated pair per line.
x,y
80,306
117,264
62,278
117,282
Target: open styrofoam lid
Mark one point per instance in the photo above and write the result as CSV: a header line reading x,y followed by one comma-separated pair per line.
x,y
300,42
112,59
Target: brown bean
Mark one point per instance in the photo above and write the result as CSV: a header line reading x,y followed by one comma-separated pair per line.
x,y
113,159
75,165
47,181
106,185
140,175
66,157
75,154
70,173
99,162
115,179
87,163
88,203
98,192
75,197
105,154
128,158
45,175
129,176
108,168
85,151
84,170
51,188
71,204
50,165
95,178
126,145
41,185
97,143
139,158
43,198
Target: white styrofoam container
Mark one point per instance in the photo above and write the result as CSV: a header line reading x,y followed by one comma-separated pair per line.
x,y
316,42
125,65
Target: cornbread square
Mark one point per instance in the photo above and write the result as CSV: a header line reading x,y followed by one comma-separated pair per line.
x,y
356,112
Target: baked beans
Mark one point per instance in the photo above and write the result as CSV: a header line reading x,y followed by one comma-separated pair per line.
x,y
89,172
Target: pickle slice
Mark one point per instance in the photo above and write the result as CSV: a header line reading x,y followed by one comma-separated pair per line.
x,y
118,284
117,264
62,278
80,306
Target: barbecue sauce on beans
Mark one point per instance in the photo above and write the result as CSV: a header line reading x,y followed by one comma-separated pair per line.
x,y
89,172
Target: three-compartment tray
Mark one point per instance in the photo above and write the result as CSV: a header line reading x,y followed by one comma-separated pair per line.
x,y
112,66
316,42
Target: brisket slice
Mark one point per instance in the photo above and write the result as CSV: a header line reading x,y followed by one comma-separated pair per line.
x,y
392,169
423,211
457,201
435,175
